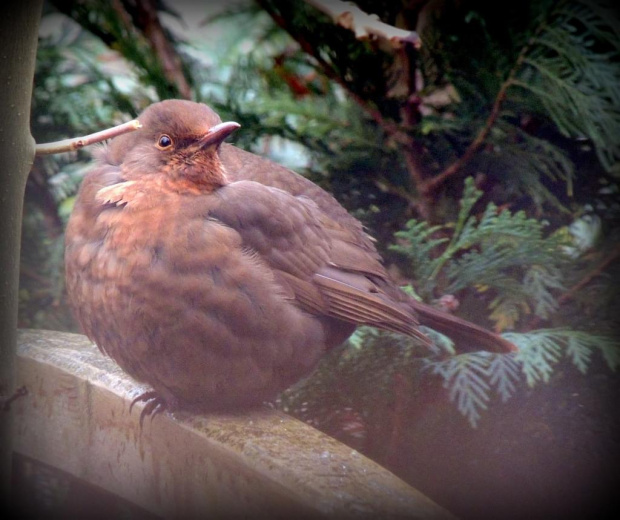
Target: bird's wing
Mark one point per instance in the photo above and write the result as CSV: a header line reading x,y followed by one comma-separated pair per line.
x,y
314,258
241,165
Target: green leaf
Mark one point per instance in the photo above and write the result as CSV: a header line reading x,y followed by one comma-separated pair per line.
x,y
504,254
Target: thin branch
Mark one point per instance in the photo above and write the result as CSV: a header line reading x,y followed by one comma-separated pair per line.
x,y
432,184
387,187
591,275
389,127
392,130
34,275
570,293
147,20
412,154
413,163
70,145
351,17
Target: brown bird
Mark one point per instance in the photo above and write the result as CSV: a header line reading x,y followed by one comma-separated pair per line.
x,y
218,277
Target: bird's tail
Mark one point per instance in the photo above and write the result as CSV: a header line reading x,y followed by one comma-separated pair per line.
x,y
466,335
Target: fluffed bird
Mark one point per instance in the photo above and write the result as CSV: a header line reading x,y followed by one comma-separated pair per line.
x,y
218,277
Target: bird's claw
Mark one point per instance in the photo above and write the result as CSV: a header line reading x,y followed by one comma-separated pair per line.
x,y
154,405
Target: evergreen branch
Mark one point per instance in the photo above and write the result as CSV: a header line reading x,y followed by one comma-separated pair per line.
x,y
574,72
541,349
465,377
611,354
504,374
520,266
538,352
579,355
471,378
464,222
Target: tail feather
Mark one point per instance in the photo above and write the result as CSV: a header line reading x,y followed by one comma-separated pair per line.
x,y
466,335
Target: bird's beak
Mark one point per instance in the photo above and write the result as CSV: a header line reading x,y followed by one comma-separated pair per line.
x,y
218,133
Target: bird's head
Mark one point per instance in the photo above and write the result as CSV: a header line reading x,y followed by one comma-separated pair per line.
x,y
177,144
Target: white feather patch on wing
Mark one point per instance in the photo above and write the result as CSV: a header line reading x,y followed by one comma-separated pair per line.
x,y
117,194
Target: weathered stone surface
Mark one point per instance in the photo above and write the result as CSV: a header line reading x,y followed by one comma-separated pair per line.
x,y
263,464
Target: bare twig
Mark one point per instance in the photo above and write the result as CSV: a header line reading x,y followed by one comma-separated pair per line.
x,y
70,145
395,132
588,277
31,273
432,184
364,25
388,126
570,293
147,19
398,191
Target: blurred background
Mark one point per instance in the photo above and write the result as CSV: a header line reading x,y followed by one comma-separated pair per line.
x,y
484,158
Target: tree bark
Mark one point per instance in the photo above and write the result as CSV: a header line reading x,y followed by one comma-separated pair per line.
x,y
18,44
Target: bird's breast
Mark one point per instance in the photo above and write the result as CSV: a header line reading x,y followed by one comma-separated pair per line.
x,y
175,297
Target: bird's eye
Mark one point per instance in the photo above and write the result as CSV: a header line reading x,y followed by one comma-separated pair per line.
x,y
164,141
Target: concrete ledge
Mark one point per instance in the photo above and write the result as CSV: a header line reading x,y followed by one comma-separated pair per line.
x,y
260,465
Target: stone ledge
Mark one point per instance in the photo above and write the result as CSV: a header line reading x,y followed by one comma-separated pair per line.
x,y
261,465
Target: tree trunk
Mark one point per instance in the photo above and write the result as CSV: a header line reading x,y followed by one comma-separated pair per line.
x,y
18,43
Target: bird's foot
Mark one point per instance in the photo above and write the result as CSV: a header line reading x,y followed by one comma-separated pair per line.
x,y
155,405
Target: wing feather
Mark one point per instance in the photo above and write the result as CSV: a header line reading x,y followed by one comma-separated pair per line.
x,y
315,259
